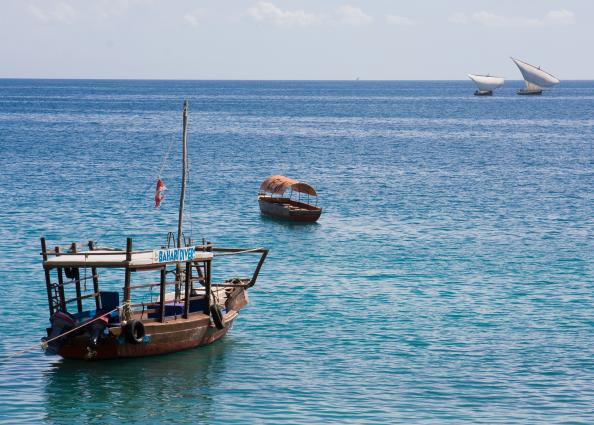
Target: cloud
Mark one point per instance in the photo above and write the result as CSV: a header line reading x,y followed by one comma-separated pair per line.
x,y
399,20
560,17
194,18
268,12
56,12
488,19
350,15
63,11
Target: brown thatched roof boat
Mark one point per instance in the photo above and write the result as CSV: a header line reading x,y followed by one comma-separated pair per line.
x,y
286,207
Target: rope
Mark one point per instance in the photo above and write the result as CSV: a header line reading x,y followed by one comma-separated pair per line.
x,y
149,189
45,343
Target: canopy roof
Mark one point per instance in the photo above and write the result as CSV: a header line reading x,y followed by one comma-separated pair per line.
x,y
279,185
104,258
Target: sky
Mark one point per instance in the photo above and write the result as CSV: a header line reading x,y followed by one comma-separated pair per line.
x,y
294,40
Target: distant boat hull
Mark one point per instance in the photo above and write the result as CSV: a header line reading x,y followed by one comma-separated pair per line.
x,y
525,92
483,93
288,209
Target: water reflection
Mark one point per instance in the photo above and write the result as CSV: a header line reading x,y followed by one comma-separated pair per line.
x,y
174,388
287,223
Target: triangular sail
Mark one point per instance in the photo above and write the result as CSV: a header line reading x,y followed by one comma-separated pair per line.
x,y
486,82
535,77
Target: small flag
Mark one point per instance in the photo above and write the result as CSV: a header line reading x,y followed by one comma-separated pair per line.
x,y
159,195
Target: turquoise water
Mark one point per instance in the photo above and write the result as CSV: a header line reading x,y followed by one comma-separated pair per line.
x,y
449,280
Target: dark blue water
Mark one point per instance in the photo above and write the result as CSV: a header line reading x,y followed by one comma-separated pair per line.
x,y
449,280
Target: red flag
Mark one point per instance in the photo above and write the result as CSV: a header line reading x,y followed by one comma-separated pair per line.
x,y
159,195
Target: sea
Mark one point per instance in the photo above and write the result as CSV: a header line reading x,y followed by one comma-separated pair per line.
x,y
449,280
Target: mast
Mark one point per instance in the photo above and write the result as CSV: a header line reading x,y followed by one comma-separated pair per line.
x,y
184,172
178,269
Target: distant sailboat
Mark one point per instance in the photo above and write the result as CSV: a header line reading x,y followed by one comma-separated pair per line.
x,y
486,84
535,78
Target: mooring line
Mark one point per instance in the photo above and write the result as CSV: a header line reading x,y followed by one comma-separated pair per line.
x,y
45,343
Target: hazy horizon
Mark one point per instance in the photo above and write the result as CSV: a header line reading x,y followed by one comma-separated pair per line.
x,y
292,40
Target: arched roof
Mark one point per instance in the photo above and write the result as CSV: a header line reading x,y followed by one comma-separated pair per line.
x,y
280,184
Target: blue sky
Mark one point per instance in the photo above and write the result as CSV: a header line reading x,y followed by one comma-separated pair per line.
x,y
290,39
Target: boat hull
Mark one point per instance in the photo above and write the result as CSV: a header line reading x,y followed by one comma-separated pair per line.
x,y
289,210
483,93
524,92
160,338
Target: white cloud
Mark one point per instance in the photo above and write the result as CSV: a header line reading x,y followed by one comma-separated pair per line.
x,y
268,12
350,15
55,12
193,18
399,20
560,17
488,19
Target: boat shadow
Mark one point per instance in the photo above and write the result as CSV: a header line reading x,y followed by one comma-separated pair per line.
x,y
171,388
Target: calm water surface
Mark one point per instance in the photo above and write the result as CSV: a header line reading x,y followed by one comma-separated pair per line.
x,y
449,280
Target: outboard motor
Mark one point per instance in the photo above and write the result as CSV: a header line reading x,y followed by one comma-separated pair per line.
x,y
61,322
96,331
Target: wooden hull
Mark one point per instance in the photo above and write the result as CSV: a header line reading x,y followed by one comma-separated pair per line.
x,y
524,92
160,338
290,210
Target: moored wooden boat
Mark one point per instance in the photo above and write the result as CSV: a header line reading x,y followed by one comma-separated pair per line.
x,y
285,207
105,321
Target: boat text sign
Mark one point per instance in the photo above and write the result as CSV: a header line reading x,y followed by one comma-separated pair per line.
x,y
173,255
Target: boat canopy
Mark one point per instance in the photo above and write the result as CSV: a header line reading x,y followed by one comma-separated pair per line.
x,y
534,77
108,258
280,184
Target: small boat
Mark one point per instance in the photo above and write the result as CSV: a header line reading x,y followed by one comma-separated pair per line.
x,y
285,207
486,84
535,78
94,320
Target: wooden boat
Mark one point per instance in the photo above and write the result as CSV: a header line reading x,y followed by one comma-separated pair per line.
x,y
285,207
535,79
486,84
112,323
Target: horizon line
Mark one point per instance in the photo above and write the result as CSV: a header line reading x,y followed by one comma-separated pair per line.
x,y
252,79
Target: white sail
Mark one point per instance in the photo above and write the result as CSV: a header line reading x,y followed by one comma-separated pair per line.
x,y
535,77
486,82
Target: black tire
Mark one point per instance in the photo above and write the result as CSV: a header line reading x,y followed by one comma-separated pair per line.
x,y
134,331
217,316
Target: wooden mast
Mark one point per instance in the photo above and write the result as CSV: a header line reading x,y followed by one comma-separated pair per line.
x,y
178,270
184,171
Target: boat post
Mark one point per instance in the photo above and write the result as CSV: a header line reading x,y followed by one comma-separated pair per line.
x,y
207,287
48,282
188,276
61,284
128,274
162,293
79,305
95,280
